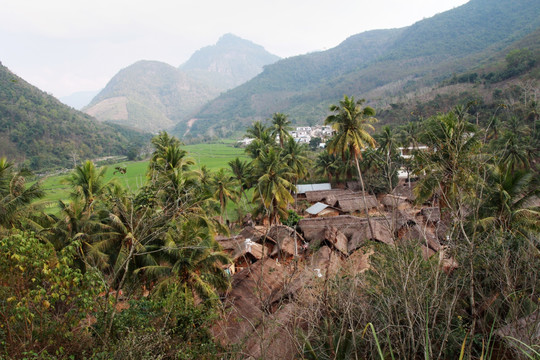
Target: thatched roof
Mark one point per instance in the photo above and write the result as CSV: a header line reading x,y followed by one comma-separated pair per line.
x,y
354,228
251,288
239,246
356,203
288,241
334,198
314,228
257,300
431,214
393,201
320,196
405,191
254,233
381,233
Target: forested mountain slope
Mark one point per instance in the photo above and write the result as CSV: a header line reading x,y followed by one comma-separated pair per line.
x,y
39,131
385,62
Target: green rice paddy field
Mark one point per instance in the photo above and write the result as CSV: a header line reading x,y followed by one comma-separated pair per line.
x,y
214,156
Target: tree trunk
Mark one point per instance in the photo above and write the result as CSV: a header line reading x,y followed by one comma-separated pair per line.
x,y
364,196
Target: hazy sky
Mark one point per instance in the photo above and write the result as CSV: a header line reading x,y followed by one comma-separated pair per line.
x,y
65,46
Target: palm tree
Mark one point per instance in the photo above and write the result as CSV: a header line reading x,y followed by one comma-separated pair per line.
x,y
274,186
452,142
281,127
388,147
260,144
327,165
161,142
513,152
190,258
295,155
409,134
351,123
243,173
88,182
257,130
224,189
511,203
15,195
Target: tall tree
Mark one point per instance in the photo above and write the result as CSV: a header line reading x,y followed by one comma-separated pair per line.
x,y
351,122
281,127
243,173
224,188
327,165
388,148
295,155
274,185
192,259
452,142
88,182
15,194
257,130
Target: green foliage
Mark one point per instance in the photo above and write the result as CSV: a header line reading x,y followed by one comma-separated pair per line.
x,y
39,131
292,219
44,298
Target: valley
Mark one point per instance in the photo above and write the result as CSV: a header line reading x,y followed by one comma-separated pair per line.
x,y
379,199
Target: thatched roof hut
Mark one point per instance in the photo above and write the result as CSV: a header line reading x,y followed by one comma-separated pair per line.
x,y
321,209
395,202
431,214
356,203
320,196
405,191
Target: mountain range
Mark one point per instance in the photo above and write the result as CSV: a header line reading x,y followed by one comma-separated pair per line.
x,y
379,65
153,95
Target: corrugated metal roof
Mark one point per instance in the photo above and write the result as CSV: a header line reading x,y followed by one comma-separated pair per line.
x,y
317,208
301,189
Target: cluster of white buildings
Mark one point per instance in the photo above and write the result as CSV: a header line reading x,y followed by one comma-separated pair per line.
x,y
303,134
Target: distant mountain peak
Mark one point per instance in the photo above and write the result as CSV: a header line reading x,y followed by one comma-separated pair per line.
x,y
153,95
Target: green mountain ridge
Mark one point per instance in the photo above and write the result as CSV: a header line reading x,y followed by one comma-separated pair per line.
x,y
38,131
153,95
376,65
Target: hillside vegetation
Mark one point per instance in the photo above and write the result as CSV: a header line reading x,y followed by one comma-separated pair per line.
x,y
388,63
40,132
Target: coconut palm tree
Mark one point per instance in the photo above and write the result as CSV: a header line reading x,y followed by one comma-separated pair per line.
x,y
513,151
161,142
281,127
388,149
274,185
88,182
191,259
243,173
224,188
511,204
452,142
327,165
351,122
295,155
260,144
257,130
15,194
